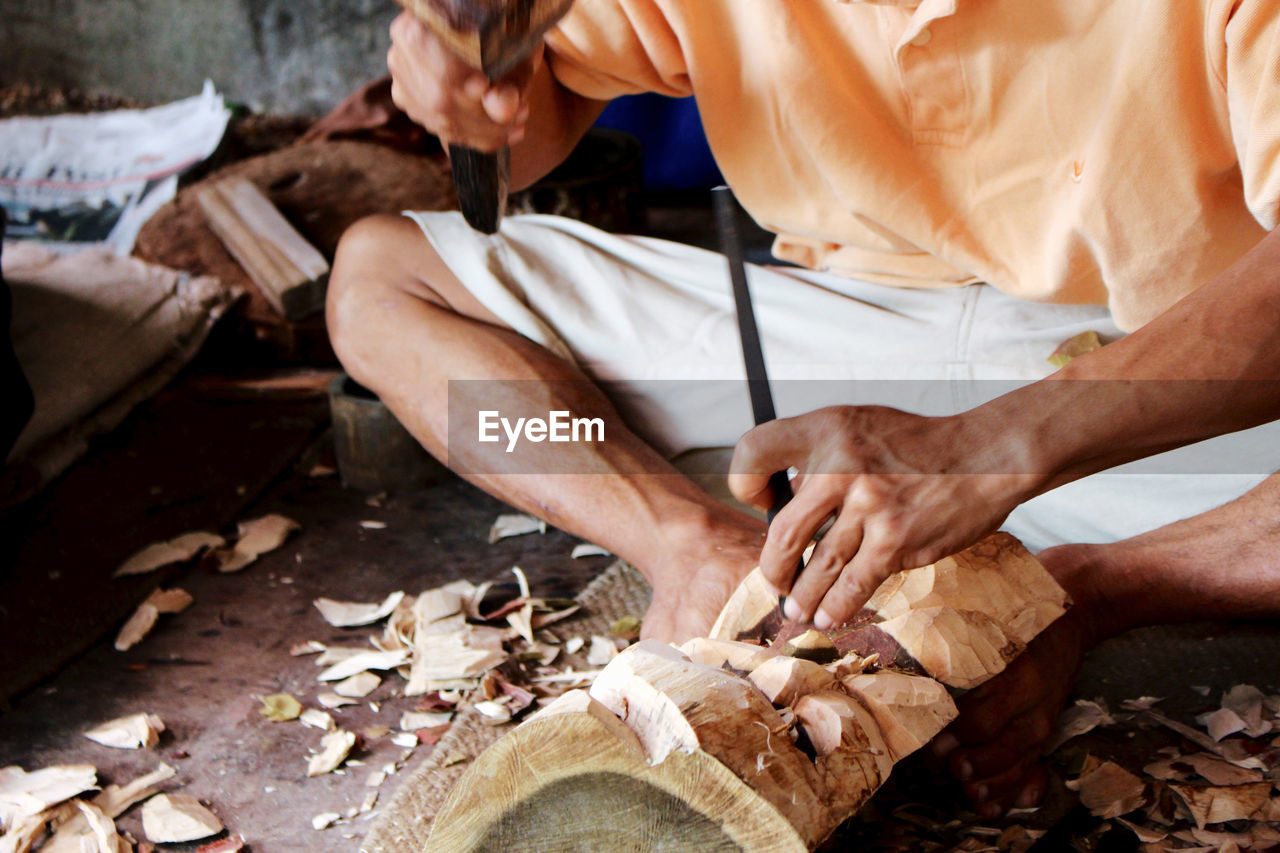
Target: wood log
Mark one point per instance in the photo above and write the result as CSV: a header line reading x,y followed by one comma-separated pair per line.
x,y
731,744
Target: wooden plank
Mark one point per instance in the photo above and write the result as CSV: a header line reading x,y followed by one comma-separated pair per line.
x,y
289,271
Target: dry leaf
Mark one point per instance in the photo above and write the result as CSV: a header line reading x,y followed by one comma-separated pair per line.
x,y
176,550
349,614
280,707
357,686
177,817
257,537
516,524
132,732
586,549
1107,789
335,747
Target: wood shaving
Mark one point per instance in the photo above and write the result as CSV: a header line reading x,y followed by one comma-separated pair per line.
x,y
334,700
515,524
1221,723
115,800
334,749
364,662
133,732
317,719
180,549
411,721
1084,716
1218,804
144,618
257,537
24,794
349,614
493,713
602,651
1108,790
356,687
177,817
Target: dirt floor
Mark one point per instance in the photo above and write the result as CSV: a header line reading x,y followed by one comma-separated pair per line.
x,y
190,462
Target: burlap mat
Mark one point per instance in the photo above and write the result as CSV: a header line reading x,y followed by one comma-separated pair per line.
x,y
405,823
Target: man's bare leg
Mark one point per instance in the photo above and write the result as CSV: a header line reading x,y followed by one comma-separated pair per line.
x,y
1223,564
404,326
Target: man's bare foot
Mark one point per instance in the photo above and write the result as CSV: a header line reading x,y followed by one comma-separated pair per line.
x,y
995,747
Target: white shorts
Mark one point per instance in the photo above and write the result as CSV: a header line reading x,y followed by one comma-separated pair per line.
x,y
653,321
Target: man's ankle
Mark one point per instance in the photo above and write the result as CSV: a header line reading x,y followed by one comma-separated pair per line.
x,y
1093,579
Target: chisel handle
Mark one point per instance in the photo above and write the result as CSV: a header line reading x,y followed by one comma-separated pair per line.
x,y
481,180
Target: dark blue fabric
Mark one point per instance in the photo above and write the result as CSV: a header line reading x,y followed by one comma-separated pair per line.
x,y
676,154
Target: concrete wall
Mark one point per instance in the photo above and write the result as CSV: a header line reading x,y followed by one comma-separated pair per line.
x,y
284,56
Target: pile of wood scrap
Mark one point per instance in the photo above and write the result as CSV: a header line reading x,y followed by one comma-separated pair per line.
x,y
766,735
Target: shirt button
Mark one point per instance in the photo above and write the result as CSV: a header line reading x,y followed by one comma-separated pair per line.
x,y
922,38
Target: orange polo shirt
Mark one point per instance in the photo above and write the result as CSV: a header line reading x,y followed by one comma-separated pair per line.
x,y
1113,152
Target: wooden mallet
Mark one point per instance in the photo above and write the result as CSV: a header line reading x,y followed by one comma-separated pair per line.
x,y
493,36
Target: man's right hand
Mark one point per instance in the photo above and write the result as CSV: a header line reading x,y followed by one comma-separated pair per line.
x,y
456,102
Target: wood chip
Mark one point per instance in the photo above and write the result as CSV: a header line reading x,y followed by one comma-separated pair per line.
x,y
230,844
515,524
411,721
364,662
1074,347
144,618
335,747
1108,790
375,778
310,647
115,800
407,740
349,614
493,713
1246,702
1218,804
1221,723
325,820
176,550
280,707
133,732
602,651
25,794
1082,717
257,537
356,687
177,817
370,524
334,700
572,645
586,549
317,719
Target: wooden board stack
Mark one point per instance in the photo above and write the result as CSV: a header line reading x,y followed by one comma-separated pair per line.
x,y
763,737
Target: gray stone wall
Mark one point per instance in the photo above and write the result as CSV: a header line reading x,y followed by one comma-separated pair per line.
x,y
283,56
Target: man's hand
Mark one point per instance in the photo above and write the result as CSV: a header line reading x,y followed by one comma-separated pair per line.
x,y
451,99
904,490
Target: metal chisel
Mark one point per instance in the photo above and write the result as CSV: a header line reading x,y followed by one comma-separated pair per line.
x,y
757,378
